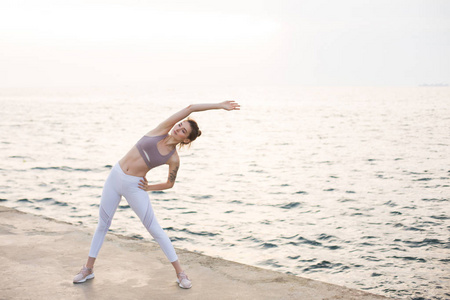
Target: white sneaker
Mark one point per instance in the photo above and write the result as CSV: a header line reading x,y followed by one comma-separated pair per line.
x,y
183,281
83,275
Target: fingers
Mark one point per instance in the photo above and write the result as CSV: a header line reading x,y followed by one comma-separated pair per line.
x,y
233,105
143,184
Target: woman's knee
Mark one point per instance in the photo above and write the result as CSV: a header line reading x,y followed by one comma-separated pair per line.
x,y
103,225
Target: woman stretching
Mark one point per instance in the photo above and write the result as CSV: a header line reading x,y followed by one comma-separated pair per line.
x,y
127,178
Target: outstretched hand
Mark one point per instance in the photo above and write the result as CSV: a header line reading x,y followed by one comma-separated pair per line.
x,y
230,105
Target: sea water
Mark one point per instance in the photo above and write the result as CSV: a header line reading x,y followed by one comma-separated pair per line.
x,y
345,185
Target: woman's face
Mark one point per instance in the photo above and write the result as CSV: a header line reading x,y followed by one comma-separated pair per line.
x,y
181,131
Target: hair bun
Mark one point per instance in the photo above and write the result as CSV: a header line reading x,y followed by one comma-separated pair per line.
x,y
199,133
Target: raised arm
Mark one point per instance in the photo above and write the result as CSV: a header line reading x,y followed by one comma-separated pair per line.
x,y
167,124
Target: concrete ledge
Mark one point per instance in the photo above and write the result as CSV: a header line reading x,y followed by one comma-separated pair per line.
x,y
39,257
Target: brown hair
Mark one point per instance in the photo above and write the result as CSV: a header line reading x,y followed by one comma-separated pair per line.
x,y
195,132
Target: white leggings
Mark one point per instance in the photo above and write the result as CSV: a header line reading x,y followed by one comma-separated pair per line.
x,y
120,184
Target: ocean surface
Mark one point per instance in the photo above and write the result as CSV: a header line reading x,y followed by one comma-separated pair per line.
x,y
345,185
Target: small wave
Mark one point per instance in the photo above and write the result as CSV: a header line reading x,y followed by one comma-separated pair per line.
x,y
228,211
175,208
390,203
268,245
201,233
324,236
410,207
435,199
302,192
369,237
89,186
396,213
290,205
333,247
251,238
157,192
371,258
423,179
356,214
309,242
63,168
60,203
44,199
2,200
80,217
414,229
189,212
409,258
441,217
294,257
424,242
201,197
165,200
343,200
25,200
307,260
329,190
270,262
325,265
289,237
236,201
176,238
366,244
257,171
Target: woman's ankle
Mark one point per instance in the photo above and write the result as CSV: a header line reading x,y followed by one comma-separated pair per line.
x,y
90,262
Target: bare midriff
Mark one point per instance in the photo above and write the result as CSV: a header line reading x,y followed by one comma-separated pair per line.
x,y
133,164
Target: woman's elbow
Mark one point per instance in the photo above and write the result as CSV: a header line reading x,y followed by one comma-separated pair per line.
x,y
190,108
170,184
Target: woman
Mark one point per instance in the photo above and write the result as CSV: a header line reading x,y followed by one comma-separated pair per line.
x,y
127,178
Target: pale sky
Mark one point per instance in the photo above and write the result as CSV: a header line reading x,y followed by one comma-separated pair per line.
x,y
46,43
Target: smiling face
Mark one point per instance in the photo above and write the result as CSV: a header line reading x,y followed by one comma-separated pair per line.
x,y
181,131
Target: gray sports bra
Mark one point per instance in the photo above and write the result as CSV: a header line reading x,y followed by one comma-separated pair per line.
x,y
148,149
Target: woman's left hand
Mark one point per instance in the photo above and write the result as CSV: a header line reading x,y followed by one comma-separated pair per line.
x,y
230,105
143,184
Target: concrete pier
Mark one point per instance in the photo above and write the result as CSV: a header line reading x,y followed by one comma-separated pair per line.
x,y
40,256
